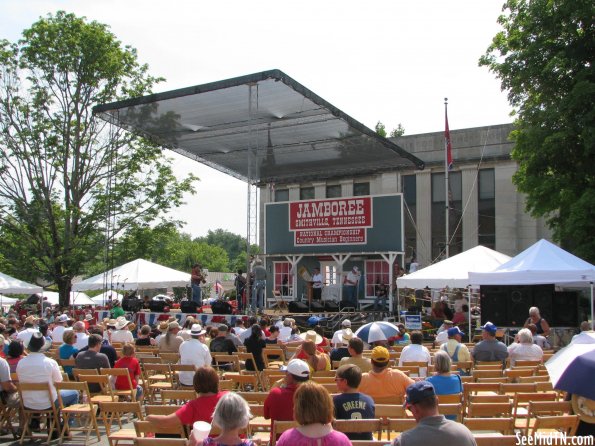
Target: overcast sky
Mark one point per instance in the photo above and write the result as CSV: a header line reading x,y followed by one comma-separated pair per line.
x,y
392,61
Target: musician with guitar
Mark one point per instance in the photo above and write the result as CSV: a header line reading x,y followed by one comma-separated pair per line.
x,y
196,279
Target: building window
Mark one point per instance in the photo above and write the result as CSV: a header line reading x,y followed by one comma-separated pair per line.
x,y
376,274
283,279
333,191
455,230
360,189
281,195
409,188
486,218
306,193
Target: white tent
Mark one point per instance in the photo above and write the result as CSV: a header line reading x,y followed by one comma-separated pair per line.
x,y
76,298
541,263
453,272
6,301
138,274
102,298
9,285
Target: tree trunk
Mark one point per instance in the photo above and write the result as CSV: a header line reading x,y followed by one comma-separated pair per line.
x,y
64,286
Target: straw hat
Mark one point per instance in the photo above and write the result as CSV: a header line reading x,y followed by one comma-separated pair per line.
x,y
163,325
31,319
173,325
311,335
121,322
347,335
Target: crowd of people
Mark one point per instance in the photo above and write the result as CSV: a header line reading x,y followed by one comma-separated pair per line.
x,y
359,380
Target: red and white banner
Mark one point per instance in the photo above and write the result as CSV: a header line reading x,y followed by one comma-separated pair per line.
x,y
341,221
353,212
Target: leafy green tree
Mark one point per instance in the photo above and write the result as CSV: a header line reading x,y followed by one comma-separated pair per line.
x,y
66,176
544,59
380,129
399,131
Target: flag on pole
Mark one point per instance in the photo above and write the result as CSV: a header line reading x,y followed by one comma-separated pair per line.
x,y
447,144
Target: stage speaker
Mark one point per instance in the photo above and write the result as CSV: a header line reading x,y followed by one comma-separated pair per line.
x,y
297,307
188,306
221,307
316,307
493,304
519,301
331,306
131,305
565,309
157,306
542,299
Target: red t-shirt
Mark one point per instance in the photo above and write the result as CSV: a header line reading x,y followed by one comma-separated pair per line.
x,y
199,409
133,367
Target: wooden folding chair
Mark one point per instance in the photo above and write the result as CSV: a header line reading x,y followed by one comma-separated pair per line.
x,y
567,424
521,405
474,399
160,442
177,396
102,388
488,410
534,379
157,377
158,409
359,426
50,414
7,414
487,373
273,357
504,426
123,373
488,365
115,411
77,372
176,369
243,382
422,365
226,363
526,363
547,408
512,388
144,428
453,409
453,398
169,357
270,376
385,411
83,412
398,425
254,397
393,399
279,427
513,375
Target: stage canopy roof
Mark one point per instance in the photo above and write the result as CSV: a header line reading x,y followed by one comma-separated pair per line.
x,y
292,134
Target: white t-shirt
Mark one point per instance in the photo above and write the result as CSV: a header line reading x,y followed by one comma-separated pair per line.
x,y
82,340
317,279
58,333
196,353
524,352
122,336
337,340
38,368
442,337
413,267
25,335
416,352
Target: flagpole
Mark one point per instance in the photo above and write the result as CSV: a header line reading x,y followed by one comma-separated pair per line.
x,y
446,167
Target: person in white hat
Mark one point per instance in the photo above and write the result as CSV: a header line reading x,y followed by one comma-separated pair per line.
x,y
60,327
121,333
337,340
194,351
278,405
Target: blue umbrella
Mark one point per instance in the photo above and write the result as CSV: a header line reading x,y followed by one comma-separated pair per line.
x,y
578,375
376,331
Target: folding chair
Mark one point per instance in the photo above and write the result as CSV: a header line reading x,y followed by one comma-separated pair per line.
x,y
453,398
359,426
177,396
77,372
279,427
513,375
422,366
488,410
496,440
254,397
7,414
393,399
114,411
169,357
273,357
567,424
455,409
151,409
504,426
123,373
143,428
488,373
512,388
157,377
176,369
521,405
534,379
270,376
384,411
82,411
102,385
474,399
243,382
488,365
50,414
546,408
527,363
226,363
398,425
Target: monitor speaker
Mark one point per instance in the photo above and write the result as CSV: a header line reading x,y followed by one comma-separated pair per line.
x,y
519,302
157,306
188,306
565,309
542,299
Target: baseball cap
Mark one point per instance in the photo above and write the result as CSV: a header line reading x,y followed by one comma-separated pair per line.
x,y
380,354
489,327
418,391
346,323
455,331
298,367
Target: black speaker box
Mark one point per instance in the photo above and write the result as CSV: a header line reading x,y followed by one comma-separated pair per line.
x,y
346,304
188,306
519,301
508,305
297,307
493,305
316,307
543,299
157,306
331,306
565,309
221,307
132,305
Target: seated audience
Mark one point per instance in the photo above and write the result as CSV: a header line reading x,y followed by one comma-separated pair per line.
x,y
255,344
15,354
351,404
316,361
128,361
489,348
383,381
356,349
524,349
171,341
416,352
313,411
144,337
68,350
445,382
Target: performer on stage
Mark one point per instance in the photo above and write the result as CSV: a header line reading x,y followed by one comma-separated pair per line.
x,y
197,278
316,284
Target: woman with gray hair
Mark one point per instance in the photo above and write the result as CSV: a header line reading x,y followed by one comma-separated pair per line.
x,y
524,349
232,414
445,382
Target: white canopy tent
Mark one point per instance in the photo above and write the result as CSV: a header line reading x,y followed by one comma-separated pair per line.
x,y
541,263
102,298
453,272
6,301
9,284
76,298
138,274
